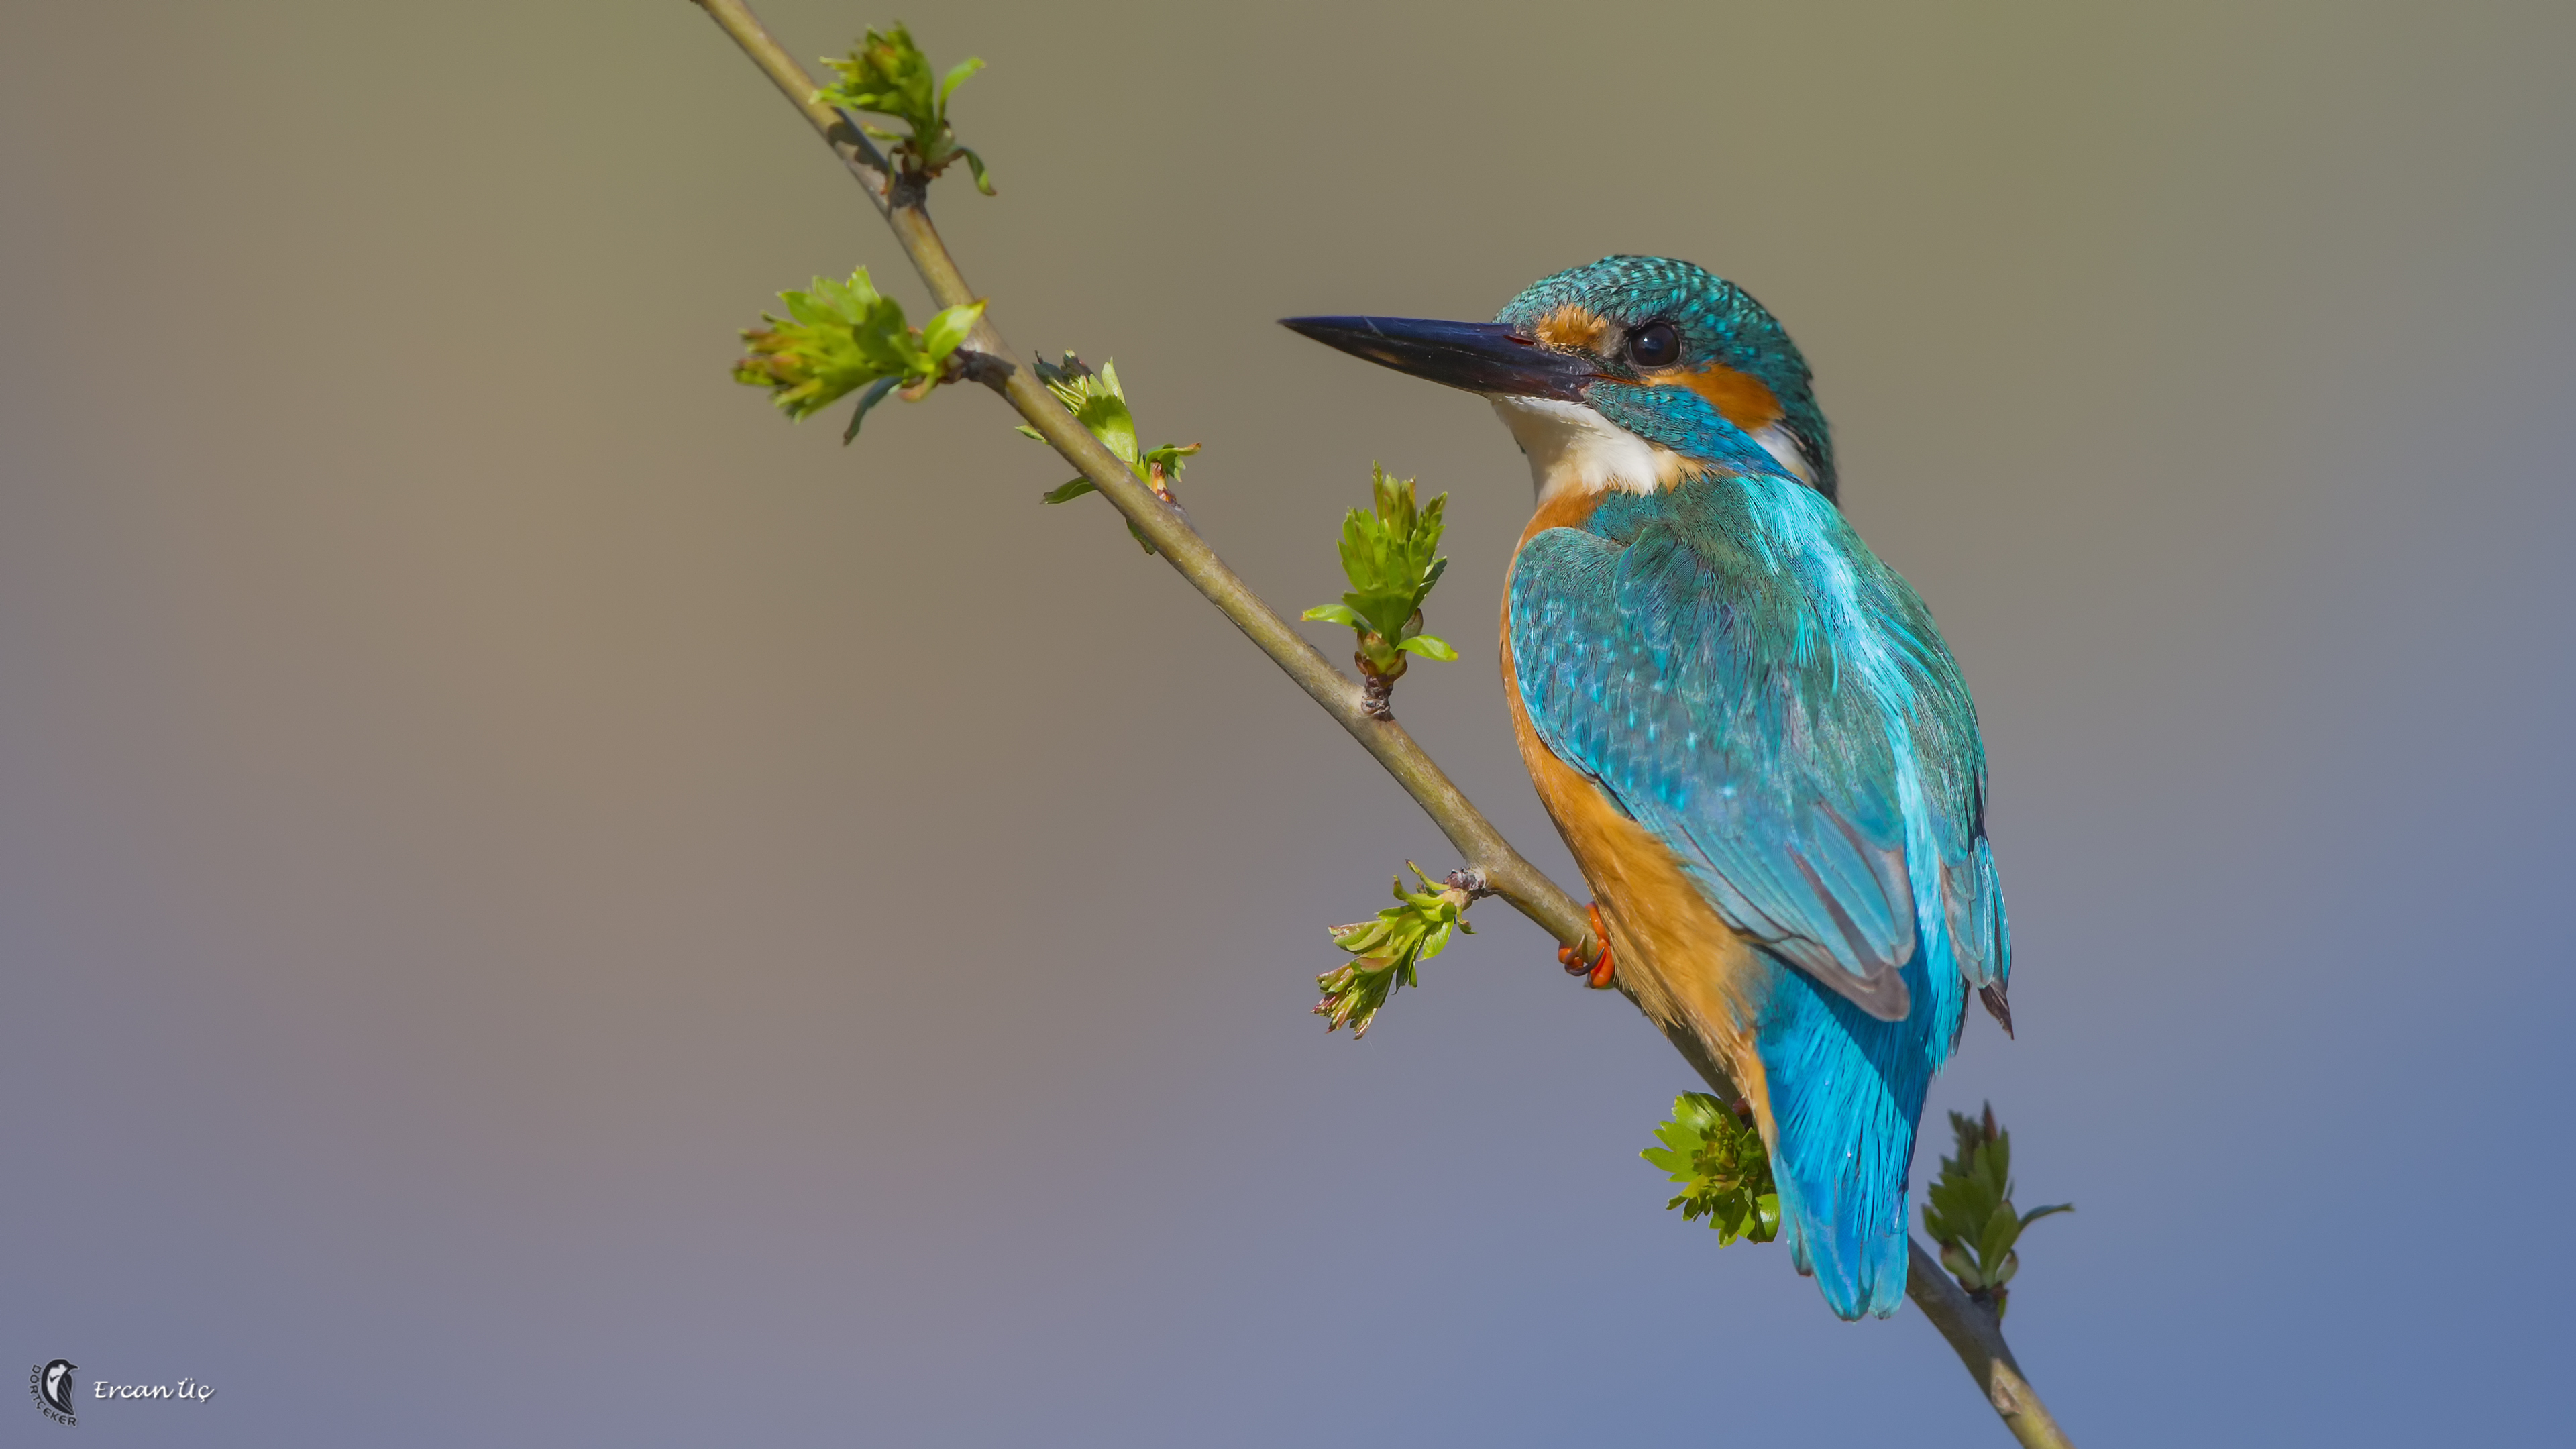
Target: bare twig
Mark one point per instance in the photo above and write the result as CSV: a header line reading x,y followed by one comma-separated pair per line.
x,y
1496,867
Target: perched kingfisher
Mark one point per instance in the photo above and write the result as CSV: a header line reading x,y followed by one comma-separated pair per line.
x,y
1744,724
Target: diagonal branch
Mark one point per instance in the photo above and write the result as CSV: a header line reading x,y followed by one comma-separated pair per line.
x,y
1971,1331
1979,1342
1507,873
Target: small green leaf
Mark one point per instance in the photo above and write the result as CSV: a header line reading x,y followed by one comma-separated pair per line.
x,y
947,330
1331,614
875,394
1069,491
1428,647
1105,412
1171,458
1997,1239
957,76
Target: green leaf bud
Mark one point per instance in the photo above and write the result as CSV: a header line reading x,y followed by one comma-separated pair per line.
x,y
886,74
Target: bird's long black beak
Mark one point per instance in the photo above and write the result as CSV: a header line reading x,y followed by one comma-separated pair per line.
x,y
1485,357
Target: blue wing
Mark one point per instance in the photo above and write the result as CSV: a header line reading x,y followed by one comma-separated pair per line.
x,y
1742,676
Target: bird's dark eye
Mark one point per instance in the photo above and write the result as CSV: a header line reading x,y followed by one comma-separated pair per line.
x,y
1655,345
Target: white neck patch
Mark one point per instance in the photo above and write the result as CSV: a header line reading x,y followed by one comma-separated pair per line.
x,y
1573,449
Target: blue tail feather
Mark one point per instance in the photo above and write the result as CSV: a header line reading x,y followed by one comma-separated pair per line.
x,y
1846,1093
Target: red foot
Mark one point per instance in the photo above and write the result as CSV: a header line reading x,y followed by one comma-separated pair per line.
x,y
1595,973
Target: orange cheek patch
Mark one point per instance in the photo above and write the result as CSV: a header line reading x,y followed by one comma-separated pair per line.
x,y
1572,328
1741,396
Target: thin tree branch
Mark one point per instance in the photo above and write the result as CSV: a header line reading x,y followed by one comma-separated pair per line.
x,y
1972,1332
1979,1341
1507,873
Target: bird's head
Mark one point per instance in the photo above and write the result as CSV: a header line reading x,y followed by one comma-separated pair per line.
x,y
1632,373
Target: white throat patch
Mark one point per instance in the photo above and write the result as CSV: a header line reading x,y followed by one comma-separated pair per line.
x,y
1573,449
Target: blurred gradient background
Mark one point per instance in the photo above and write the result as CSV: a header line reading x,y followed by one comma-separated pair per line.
x,y
541,904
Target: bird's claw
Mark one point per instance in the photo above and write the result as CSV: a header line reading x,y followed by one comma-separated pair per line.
x,y
1596,973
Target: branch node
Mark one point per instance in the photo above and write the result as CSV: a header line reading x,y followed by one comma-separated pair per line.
x,y
1377,691
2002,1397
968,365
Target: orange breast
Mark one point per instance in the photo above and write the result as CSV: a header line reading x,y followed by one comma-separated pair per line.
x,y
1677,958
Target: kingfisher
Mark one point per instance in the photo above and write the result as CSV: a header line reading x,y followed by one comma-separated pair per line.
x,y
1746,727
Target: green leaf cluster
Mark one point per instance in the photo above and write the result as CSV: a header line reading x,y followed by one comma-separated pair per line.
x,y
1388,947
887,75
1388,556
1098,401
844,336
1716,1154
1969,1210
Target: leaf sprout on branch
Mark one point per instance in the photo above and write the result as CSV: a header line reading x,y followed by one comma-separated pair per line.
x,y
1389,947
1713,1150
1969,1211
887,75
1388,556
844,336
1098,402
